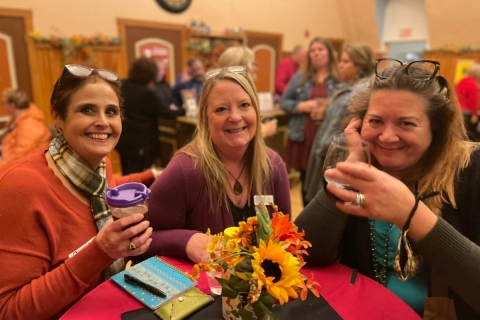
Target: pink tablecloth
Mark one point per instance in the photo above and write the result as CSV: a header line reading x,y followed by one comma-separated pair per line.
x,y
364,300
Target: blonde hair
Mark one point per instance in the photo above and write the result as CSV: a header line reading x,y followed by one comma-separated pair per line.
x,y
203,151
237,56
449,152
474,71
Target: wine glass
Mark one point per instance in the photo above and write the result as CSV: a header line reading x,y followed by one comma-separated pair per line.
x,y
342,151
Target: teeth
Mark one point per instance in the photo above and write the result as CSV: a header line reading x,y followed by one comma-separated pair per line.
x,y
235,130
98,136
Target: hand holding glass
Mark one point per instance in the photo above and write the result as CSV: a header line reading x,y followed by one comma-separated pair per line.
x,y
341,150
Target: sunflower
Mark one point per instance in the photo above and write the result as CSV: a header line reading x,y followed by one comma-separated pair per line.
x,y
277,270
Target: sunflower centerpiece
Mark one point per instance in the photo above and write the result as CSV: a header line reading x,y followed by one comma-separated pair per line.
x,y
260,261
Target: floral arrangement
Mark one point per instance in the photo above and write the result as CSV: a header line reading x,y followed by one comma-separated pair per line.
x,y
261,261
77,46
76,40
454,49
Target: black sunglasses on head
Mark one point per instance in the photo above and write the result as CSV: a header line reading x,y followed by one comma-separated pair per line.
x,y
83,72
429,65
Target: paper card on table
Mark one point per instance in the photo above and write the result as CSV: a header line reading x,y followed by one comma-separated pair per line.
x,y
159,273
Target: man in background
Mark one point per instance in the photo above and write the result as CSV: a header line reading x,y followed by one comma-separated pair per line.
x,y
287,68
190,78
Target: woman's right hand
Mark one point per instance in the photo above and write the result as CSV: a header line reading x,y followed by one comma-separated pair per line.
x,y
197,247
115,242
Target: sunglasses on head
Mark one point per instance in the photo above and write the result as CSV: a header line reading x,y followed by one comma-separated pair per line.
x,y
83,72
236,69
432,68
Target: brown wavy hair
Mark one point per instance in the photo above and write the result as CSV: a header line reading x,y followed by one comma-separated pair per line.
x,y
310,70
450,150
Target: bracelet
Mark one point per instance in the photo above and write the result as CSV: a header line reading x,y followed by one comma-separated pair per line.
x,y
404,254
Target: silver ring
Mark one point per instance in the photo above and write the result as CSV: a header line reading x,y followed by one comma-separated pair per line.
x,y
132,246
360,199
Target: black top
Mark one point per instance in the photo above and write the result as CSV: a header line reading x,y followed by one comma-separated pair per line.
x,y
142,107
452,247
241,214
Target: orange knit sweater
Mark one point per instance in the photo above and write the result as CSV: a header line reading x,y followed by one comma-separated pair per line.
x,y
41,223
27,133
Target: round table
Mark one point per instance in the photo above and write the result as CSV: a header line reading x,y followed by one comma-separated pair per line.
x,y
365,299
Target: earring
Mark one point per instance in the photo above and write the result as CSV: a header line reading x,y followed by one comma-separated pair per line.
x,y
59,131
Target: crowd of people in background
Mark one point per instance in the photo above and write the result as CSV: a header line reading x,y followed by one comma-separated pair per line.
x,y
423,179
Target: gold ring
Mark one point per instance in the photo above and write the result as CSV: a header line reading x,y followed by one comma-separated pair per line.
x,y
132,246
360,199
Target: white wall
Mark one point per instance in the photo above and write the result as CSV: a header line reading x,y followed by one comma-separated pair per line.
x,y
405,14
89,17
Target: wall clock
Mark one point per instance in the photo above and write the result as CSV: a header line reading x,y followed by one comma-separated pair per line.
x,y
174,6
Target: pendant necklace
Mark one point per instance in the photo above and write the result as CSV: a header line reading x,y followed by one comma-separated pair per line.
x,y
237,187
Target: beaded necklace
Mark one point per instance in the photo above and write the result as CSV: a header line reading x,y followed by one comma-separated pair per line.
x,y
380,273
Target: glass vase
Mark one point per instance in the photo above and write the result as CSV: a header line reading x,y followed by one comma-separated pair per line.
x,y
228,305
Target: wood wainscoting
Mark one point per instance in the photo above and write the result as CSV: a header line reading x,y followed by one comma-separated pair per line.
x,y
49,62
448,62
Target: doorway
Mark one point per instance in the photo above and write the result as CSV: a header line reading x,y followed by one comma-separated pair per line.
x,y
14,60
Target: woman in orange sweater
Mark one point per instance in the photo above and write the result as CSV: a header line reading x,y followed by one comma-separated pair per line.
x,y
57,238
25,131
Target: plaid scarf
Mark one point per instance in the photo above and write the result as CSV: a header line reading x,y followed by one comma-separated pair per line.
x,y
78,172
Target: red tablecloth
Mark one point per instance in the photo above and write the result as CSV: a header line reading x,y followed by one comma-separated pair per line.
x,y
364,300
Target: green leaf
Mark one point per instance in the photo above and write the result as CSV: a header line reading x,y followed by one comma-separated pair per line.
x,y
246,314
264,305
233,286
264,224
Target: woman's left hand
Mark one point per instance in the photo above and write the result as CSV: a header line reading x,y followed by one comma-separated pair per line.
x,y
386,198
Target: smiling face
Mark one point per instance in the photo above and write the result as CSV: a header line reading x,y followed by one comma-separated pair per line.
x,y
232,119
348,70
92,124
398,129
318,55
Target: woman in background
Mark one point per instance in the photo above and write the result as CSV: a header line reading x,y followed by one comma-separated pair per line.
x,y
305,98
24,131
244,56
212,181
356,65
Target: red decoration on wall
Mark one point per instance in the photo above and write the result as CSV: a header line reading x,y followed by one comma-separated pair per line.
x,y
405,33
307,33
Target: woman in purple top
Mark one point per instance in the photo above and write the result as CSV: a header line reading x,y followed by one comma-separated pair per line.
x,y
211,182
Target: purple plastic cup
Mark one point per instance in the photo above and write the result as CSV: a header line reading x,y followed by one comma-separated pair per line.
x,y
127,199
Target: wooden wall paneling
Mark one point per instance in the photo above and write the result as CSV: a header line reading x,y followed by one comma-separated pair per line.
x,y
108,57
448,62
337,45
48,67
133,30
16,24
265,56
272,40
